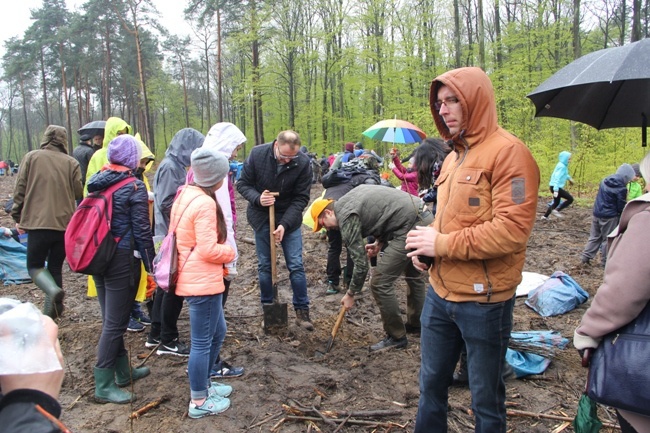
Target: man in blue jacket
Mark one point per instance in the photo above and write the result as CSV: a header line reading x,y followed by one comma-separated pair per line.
x,y
610,201
279,167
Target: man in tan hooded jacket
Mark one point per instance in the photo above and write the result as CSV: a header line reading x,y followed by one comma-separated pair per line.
x,y
487,200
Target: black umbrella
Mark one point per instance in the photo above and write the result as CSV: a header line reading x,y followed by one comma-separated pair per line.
x,y
608,88
96,127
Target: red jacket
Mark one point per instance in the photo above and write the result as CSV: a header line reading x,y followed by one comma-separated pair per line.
x,y
409,178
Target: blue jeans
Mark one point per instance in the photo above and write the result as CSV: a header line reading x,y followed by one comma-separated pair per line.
x,y
292,248
207,332
485,330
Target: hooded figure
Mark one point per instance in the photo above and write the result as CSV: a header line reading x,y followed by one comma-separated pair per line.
x,y
114,127
49,182
226,138
171,174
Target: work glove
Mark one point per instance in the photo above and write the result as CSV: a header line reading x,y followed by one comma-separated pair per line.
x,y
229,274
150,195
151,286
391,165
555,194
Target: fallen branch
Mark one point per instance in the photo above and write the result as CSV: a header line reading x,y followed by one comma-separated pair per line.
x,y
387,424
514,412
297,409
342,424
76,400
147,407
265,420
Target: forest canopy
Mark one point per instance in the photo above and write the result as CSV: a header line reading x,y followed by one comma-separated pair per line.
x,y
327,68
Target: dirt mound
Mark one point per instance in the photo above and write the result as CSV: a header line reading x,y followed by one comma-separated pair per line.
x,y
291,369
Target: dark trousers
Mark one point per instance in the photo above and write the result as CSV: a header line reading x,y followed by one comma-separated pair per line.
x,y
561,194
47,245
116,291
334,251
164,316
626,427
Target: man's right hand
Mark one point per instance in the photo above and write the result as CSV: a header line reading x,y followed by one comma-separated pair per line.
x,y
266,199
347,301
555,194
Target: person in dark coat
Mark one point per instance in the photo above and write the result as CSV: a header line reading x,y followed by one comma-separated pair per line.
x,y
279,167
82,153
117,287
609,205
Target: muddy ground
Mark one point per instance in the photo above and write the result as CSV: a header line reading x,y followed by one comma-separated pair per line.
x,y
290,369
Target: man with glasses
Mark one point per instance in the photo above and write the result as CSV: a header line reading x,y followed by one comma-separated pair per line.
x,y
279,167
487,200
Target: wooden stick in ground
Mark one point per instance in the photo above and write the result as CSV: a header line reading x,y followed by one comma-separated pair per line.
x,y
148,356
147,407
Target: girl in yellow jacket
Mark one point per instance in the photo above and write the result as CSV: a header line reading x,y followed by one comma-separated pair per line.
x,y
200,235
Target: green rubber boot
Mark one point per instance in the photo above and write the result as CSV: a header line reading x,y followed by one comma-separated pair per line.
x,y
124,372
106,391
53,305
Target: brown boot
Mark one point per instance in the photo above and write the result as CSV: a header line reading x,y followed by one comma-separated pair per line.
x,y
303,320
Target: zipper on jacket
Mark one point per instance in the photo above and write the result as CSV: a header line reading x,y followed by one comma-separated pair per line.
x,y
487,278
450,178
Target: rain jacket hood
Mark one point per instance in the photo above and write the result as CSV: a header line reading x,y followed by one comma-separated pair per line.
x,y
475,94
113,126
55,138
146,153
564,157
100,158
183,144
224,137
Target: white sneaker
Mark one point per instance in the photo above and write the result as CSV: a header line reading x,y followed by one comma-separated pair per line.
x,y
557,214
543,218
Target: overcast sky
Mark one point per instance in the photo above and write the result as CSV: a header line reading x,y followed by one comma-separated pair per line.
x,y
16,18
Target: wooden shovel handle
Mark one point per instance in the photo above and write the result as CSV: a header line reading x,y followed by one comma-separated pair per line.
x,y
339,319
274,270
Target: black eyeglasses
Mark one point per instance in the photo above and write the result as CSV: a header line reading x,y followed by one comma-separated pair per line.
x,y
449,102
281,156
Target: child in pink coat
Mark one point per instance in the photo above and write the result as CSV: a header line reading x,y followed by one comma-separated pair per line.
x,y
202,253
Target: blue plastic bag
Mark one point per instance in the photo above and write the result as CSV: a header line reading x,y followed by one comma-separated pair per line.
x,y
13,262
525,363
557,295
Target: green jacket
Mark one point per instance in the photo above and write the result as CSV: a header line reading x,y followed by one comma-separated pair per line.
x,y
634,190
373,210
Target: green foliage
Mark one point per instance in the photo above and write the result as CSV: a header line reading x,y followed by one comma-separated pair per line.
x,y
328,68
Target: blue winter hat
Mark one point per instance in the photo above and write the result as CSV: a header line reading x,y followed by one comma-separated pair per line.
x,y
124,150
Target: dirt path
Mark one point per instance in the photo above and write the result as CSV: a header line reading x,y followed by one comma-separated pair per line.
x,y
290,369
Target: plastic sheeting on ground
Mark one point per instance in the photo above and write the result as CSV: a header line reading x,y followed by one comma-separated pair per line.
x,y
13,262
526,362
529,282
557,295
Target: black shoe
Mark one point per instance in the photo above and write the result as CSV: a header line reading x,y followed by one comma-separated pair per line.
x,y
175,348
151,342
388,342
460,377
410,329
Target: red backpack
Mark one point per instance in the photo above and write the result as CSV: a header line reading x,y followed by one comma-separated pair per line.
x,y
89,244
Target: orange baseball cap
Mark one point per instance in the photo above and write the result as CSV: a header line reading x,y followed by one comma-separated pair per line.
x,y
316,209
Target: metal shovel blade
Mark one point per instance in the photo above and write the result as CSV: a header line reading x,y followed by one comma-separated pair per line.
x,y
275,316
